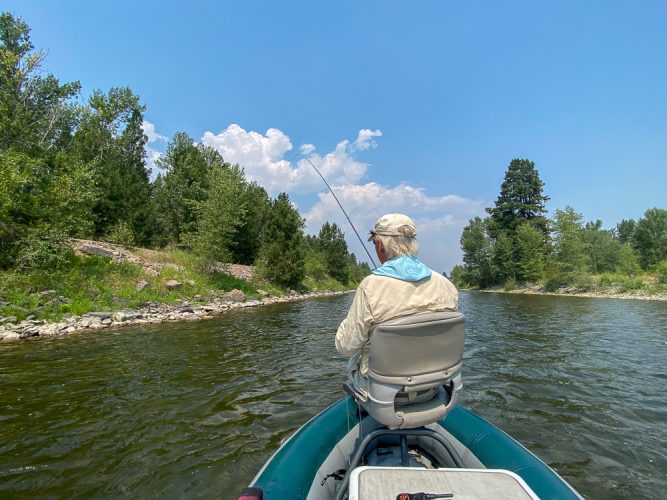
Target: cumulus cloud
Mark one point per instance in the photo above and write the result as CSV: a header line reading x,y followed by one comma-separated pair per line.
x,y
151,133
439,219
153,153
263,158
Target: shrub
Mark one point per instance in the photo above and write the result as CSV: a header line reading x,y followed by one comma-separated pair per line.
x,y
510,284
45,250
122,234
660,270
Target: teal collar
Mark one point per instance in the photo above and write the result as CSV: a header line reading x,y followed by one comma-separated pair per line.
x,y
404,267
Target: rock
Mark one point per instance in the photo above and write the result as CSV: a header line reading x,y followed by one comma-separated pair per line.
x,y
99,315
172,285
150,271
263,293
8,319
94,250
126,315
106,321
197,297
30,317
46,293
185,309
207,316
235,296
10,336
141,284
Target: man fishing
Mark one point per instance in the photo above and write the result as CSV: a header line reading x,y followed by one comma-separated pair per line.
x,y
401,286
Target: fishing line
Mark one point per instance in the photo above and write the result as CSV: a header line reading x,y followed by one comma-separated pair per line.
x,y
341,207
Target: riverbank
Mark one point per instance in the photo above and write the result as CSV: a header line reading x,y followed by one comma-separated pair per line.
x,y
612,293
105,285
151,313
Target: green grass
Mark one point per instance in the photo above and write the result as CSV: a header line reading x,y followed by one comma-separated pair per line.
x,y
96,283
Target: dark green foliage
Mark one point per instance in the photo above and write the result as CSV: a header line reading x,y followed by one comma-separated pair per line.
x,y
520,199
184,184
530,253
282,255
111,141
571,252
331,243
650,237
458,276
604,247
477,253
35,114
220,213
247,240
625,229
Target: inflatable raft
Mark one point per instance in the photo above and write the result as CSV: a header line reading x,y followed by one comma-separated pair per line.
x,y
314,463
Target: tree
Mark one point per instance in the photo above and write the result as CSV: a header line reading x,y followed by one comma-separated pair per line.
x,y
530,252
282,253
248,237
520,199
625,229
504,264
570,247
181,187
603,247
650,237
331,242
110,139
35,114
477,253
220,214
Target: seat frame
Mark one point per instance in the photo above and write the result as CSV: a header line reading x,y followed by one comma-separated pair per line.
x,y
400,394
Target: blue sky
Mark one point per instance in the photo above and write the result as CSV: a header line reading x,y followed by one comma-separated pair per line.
x,y
408,106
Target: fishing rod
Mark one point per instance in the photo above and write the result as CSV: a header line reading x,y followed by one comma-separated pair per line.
x,y
341,207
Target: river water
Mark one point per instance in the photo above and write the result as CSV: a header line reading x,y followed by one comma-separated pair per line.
x,y
192,410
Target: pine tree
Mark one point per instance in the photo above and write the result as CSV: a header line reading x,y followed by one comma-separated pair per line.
x,y
282,255
520,200
331,242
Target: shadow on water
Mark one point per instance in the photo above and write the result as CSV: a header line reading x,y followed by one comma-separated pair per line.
x,y
194,409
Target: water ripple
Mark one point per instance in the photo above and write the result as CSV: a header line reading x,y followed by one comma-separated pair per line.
x,y
193,410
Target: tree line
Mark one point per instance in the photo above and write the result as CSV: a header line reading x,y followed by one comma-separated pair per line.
x,y
79,170
517,243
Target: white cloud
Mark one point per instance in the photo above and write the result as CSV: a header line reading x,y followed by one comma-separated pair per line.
x,y
439,219
153,136
365,140
152,153
263,158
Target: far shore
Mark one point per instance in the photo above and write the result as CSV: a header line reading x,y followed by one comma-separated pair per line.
x,y
568,292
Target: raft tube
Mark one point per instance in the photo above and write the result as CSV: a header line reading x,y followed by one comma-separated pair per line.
x,y
291,471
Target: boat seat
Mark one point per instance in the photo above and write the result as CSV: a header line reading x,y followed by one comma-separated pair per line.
x,y
414,369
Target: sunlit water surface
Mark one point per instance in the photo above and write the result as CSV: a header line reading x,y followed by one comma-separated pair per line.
x,y
192,410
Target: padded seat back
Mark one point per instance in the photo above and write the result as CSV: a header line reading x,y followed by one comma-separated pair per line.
x,y
414,369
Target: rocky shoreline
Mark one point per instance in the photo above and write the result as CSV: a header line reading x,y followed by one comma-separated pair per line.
x,y
636,295
150,313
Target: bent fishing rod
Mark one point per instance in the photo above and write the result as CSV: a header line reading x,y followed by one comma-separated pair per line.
x,y
341,207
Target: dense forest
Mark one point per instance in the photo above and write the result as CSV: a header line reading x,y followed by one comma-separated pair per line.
x,y
72,170
518,244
